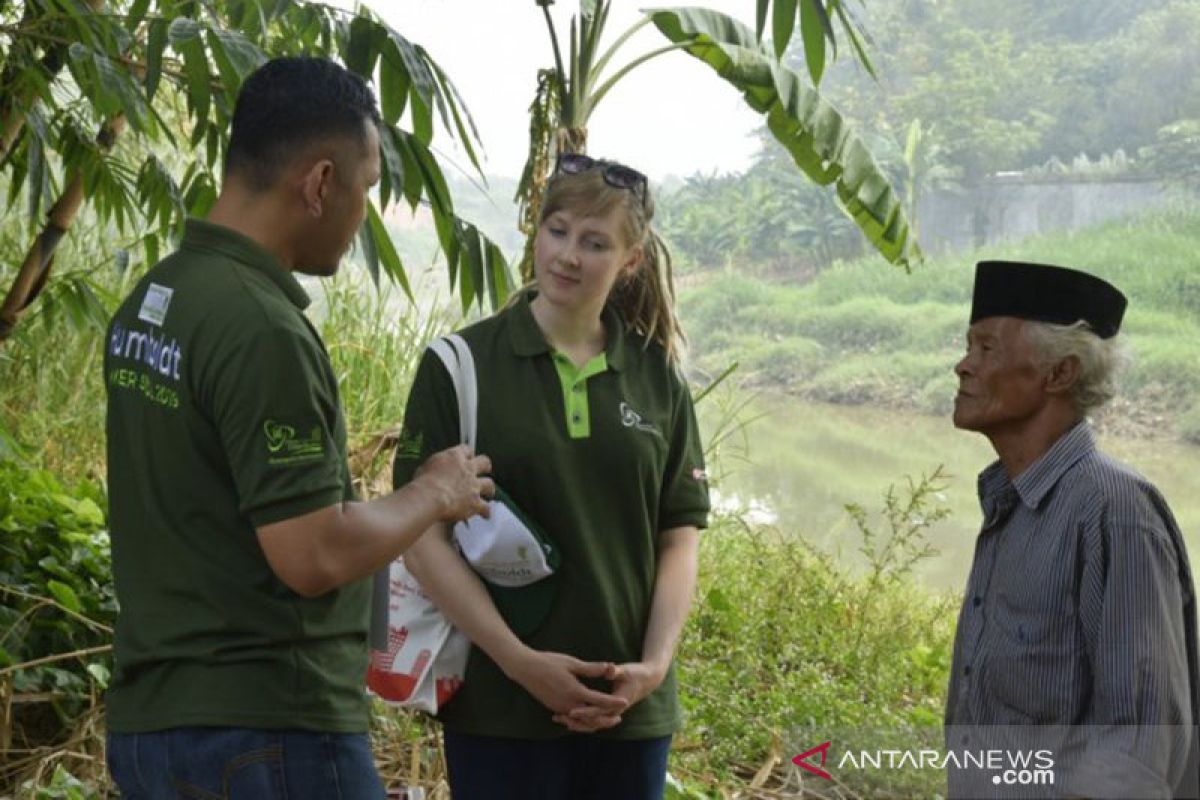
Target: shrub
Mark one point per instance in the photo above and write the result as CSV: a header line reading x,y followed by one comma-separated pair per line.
x,y
58,604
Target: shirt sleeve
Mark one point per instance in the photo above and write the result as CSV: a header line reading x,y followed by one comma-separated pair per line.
x,y
684,498
276,412
1134,591
430,419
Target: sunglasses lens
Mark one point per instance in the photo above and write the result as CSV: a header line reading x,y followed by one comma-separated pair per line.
x,y
623,177
575,163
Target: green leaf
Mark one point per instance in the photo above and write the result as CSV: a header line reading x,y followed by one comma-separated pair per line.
x,y
137,12
500,282
422,120
150,246
38,179
760,18
156,42
783,22
813,132
99,673
359,51
414,66
184,35
394,86
366,240
850,25
414,186
120,84
813,32
240,55
86,511
386,251
430,174
64,594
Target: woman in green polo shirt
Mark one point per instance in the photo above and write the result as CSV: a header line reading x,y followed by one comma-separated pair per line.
x,y
590,427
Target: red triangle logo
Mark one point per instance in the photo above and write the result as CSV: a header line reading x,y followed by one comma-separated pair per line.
x,y
802,762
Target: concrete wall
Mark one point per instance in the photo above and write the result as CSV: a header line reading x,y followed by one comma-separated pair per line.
x,y
1007,209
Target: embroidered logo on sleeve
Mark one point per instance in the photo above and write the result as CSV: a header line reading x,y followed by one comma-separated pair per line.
x,y
154,304
632,419
285,447
408,445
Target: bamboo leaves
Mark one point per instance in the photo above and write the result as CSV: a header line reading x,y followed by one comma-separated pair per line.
x,y
140,61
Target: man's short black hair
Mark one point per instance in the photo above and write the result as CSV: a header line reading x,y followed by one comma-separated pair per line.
x,y
286,105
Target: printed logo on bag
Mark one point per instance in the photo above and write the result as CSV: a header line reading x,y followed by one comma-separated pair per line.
x,y
285,447
632,419
698,474
154,304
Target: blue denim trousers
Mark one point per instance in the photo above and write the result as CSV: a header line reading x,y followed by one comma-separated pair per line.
x,y
243,764
574,767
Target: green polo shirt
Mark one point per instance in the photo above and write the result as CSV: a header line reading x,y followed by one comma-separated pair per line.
x,y
223,415
603,457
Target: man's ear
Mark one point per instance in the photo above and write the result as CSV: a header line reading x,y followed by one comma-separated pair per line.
x,y
1063,376
314,185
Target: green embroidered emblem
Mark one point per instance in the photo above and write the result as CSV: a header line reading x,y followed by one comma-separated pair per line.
x,y
285,447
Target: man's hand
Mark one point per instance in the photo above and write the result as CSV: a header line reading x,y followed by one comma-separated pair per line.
x,y
453,478
554,679
632,682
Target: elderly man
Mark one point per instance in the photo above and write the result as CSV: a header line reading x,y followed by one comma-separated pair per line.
x,y
1076,642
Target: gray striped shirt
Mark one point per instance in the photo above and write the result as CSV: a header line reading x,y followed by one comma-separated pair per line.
x,y
1080,611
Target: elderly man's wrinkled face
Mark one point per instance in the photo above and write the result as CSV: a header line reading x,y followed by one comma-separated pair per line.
x,y
1000,384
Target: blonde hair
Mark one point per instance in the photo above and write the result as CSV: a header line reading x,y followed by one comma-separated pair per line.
x,y
645,297
1100,360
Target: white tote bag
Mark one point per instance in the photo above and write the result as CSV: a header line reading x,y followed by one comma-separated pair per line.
x,y
418,658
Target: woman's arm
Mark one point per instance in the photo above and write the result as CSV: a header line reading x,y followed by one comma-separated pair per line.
x,y
552,678
674,585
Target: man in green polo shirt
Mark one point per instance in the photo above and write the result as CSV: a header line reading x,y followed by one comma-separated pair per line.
x,y
239,552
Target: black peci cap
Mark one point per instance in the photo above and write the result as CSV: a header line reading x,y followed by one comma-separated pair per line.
x,y
1046,293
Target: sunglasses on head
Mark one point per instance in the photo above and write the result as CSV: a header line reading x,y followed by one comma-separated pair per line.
x,y
615,175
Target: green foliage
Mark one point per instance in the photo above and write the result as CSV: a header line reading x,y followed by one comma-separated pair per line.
x,y
172,70
1009,84
56,586
855,335
783,639
1176,153
51,393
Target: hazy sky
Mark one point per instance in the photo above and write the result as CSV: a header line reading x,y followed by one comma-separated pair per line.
x,y
492,50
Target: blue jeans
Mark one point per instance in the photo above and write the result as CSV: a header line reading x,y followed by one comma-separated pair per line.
x,y
574,767
243,764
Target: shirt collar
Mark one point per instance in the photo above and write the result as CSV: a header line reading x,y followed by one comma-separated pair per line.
x,y
1040,477
528,340
998,495
202,235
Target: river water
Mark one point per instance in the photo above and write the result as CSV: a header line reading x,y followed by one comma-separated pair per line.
x,y
799,463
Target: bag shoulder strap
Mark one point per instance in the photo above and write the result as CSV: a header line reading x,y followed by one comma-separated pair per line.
x,y
456,356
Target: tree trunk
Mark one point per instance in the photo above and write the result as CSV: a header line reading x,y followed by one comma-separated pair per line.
x,y
566,140
31,278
